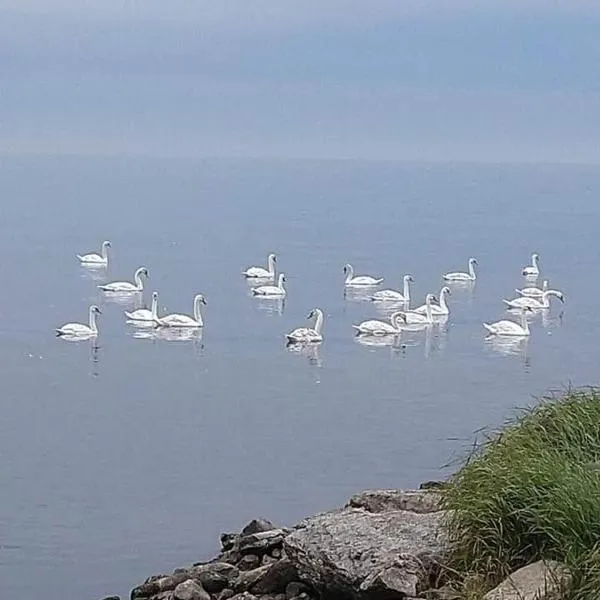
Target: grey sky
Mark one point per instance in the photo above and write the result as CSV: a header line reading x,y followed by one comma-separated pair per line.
x,y
389,79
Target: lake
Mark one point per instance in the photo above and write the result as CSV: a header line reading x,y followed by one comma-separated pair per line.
x,y
130,456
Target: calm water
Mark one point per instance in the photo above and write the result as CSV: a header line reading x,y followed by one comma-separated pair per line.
x,y
130,458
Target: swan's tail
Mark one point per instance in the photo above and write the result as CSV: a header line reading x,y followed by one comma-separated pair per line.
x,y
489,328
129,315
379,280
508,303
79,256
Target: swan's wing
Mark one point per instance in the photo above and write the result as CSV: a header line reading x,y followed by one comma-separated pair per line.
x,y
176,319
257,272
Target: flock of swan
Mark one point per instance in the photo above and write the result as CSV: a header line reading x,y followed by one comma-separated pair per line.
x,y
266,283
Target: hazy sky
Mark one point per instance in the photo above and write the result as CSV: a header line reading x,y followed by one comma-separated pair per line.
x,y
397,79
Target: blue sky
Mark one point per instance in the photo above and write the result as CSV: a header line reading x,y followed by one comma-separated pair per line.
x,y
408,80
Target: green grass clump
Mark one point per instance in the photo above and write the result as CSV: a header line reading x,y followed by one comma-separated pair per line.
x,y
532,491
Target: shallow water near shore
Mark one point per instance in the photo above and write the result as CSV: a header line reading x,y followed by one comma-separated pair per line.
x,y
129,457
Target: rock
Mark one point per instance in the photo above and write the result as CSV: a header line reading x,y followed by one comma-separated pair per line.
x,y
259,543
267,559
542,580
432,485
276,578
226,594
376,501
446,592
249,562
295,588
216,576
244,596
190,590
157,584
228,540
354,552
257,526
276,553
246,579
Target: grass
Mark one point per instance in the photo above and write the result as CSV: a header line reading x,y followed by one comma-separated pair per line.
x,y
532,491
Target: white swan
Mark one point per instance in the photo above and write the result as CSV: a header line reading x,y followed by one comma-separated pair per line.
x,y
375,327
259,272
177,320
96,259
360,280
534,292
308,334
510,327
461,276
440,310
393,295
532,270
80,330
143,314
414,318
273,291
125,286
535,303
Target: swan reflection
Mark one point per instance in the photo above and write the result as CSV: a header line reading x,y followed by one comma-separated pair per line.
x,y
94,272
169,334
508,346
378,341
310,350
130,299
270,306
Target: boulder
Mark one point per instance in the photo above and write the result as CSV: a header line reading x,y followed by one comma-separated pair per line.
x,y
542,580
190,590
215,576
378,550
276,578
257,526
259,543
249,562
226,594
294,589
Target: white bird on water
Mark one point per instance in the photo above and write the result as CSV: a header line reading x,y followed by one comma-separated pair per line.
x,y
93,259
79,330
143,314
260,272
440,310
532,270
376,327
461,276
415,318
179,320
535,303
510,327
272,291
395,296
126,286
306,335
359,280
534,292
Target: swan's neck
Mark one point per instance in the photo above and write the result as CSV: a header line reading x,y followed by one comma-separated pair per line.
x,y
428,313
318,322
534,261
524,323
104,252
406,291
198,312
280,281
471,270
545,285
154,308
271,265
93,325
443,304
138,281
349,273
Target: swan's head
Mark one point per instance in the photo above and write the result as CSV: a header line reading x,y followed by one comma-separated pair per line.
x,y
106,244
445,291
430,298
398,316
535,257
154,295
200,298
408,278
94,309
142,271
272,258
313,313
347,268
560,296
473,261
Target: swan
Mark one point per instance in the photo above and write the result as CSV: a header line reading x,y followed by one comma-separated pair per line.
x,y
308,334
143,314
359,281
534,292
532,270
393,295
273,291
125,286
96,259
535,303
460,276
79,329
414,318
259,272
374,327
510,327
177,320
440,310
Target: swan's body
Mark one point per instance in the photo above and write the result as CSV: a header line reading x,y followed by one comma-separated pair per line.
x,y
532,270
80,330
143,314
96,259
259,272
534,292
535,303
393,295
461,276
126,286
178,320
273,291
375,327
360,280
308,334
510,327
440,310
415,318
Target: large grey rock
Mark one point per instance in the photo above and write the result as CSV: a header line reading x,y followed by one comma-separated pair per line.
x,y
276,578
263,541
542,580
388,553
419,501
257,526
190,590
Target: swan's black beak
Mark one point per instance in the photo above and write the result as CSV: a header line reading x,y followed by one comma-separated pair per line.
x,y
562,299
204,301
98,311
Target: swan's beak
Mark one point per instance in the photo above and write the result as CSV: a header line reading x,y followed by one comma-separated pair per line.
x,y
203,301
98,311
561,298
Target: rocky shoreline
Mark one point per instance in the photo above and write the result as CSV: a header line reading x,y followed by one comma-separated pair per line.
x,y
382,545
